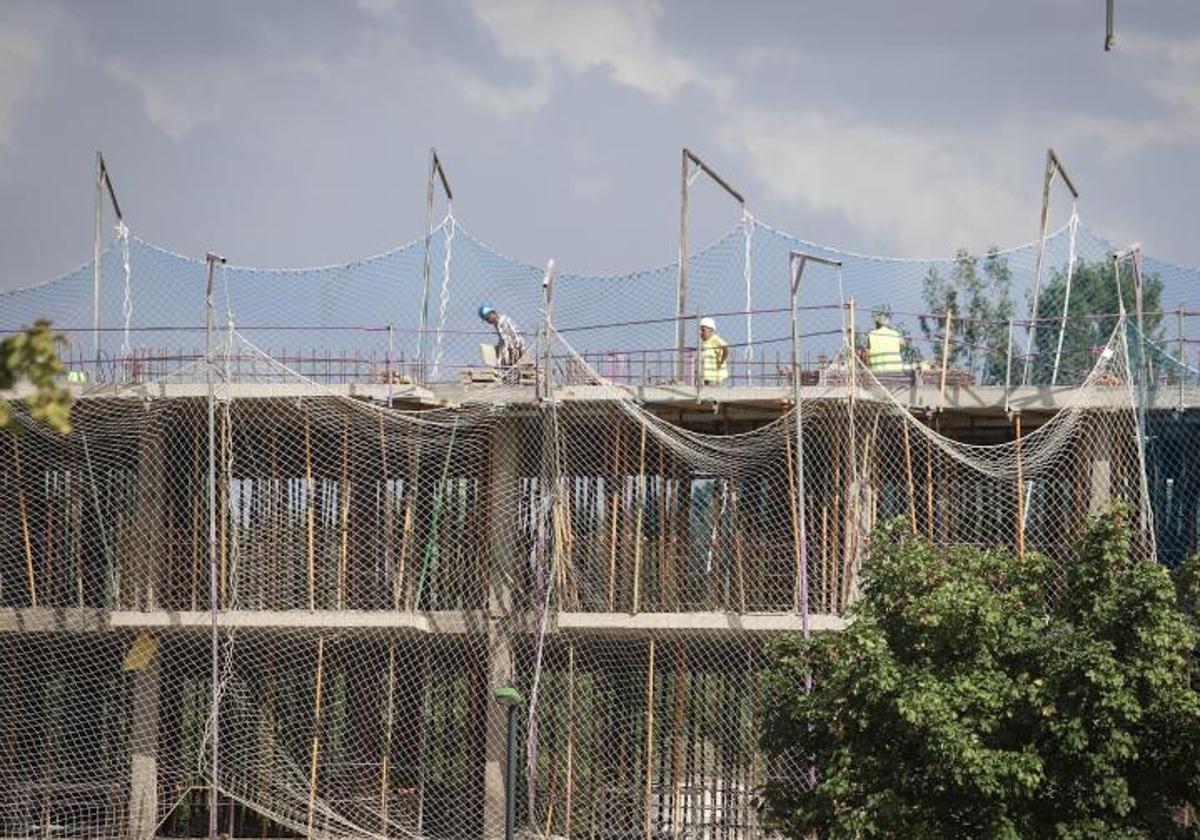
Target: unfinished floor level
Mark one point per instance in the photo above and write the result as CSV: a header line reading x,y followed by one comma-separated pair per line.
x,y
381,563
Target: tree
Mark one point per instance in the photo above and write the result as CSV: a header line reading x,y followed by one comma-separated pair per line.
x,y
964,701
982,304
1091,317
33,355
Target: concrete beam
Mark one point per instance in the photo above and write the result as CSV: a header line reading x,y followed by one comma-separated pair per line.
x,y
200,620
703,624
52,619
988,399
437,623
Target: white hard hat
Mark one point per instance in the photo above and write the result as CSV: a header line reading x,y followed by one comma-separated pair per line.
x,y
708,322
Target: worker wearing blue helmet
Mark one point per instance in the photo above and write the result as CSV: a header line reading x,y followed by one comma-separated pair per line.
x,y
510,344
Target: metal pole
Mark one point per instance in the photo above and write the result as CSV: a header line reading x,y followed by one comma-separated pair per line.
x,y
1062,173
1110,37
510,778
1137,399
797,270
1053,167
1182,354
853,350
1116,263
391,342
546,389
212,259
435,171
425,273
1146,375
681,288
945,359
712,173
102,182
1146,359
1041,255
1008,369
798,260
99,210
689,157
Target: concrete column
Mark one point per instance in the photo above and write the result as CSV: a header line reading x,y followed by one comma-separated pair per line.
x,y
496,733
143,737
503,501
144,558
503,498
1101,472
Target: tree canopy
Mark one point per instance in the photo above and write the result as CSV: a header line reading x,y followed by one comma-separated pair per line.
x,y
1091,316
979,292
981,299
33,355
977,694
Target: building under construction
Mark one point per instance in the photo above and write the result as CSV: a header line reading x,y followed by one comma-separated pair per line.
x,y
299,533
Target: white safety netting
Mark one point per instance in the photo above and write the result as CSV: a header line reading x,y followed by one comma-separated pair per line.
x,y
361,321
384,561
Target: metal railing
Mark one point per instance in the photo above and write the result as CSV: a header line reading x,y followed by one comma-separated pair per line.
x,y
970,351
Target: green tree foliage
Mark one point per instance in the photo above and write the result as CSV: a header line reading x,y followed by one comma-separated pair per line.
x,y
980,296
1091,317
963,701
33,355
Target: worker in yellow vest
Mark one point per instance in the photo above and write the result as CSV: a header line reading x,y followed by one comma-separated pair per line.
x,y
714,354
885,345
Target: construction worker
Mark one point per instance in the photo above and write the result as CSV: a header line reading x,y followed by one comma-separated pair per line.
x,y
510,344
885,345
714,354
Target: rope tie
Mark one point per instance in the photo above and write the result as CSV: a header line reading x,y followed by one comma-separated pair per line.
x,y
127,304
224,269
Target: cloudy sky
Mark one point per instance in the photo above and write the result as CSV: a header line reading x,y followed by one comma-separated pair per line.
x,y
291,133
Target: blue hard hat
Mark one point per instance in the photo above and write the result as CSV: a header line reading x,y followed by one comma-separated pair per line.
x,y
485,310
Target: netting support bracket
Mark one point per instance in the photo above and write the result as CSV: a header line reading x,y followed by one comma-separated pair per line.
x,y
685,182
103,184
436,172
1054,168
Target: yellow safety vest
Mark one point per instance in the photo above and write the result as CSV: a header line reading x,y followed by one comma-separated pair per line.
x,y
712,370
883,350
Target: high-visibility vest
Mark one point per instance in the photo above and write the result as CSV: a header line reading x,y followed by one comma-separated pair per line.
x,y
883,350
710,353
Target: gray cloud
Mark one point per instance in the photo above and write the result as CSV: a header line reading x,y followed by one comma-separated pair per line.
x,y
293,133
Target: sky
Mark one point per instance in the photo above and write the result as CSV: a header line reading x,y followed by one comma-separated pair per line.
x,y
297,132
